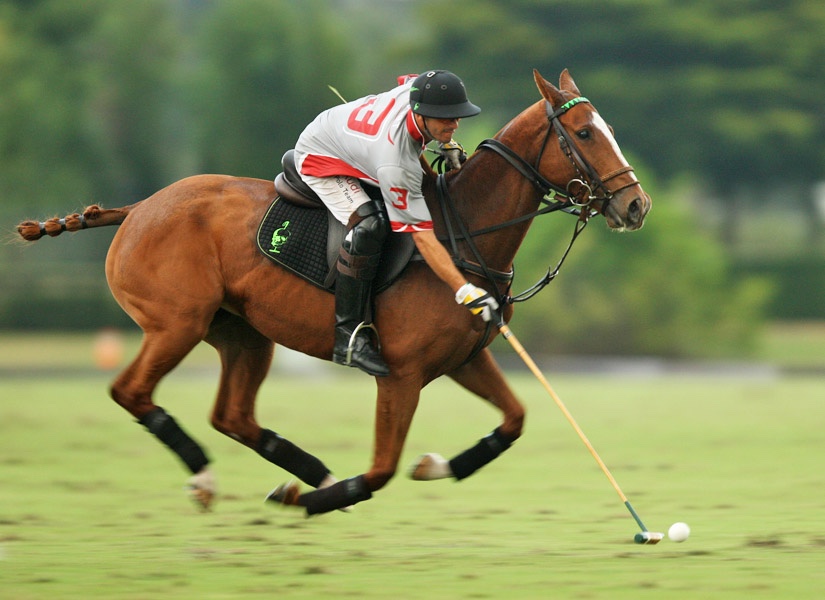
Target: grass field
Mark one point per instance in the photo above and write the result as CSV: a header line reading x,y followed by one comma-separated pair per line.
x,y
91,506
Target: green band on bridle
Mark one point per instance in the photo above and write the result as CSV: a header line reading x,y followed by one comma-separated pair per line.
x,y
566,106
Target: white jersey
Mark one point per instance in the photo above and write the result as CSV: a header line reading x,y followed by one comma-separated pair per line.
x,y
374,139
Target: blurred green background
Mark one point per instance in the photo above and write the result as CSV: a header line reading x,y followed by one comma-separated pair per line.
x,y
718,105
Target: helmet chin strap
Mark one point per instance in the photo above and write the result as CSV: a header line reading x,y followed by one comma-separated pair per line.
x,y
424,129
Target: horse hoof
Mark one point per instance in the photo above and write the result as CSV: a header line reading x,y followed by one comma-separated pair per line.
x,y
203,498
202,488
429,467
286,494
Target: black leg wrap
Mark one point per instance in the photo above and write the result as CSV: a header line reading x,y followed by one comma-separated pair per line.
x,y
169,432
291,458
471,460
339,495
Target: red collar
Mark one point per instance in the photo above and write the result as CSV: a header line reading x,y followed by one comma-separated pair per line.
x,y
412,128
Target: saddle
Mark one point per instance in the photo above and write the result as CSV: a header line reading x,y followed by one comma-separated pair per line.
x,y
301,235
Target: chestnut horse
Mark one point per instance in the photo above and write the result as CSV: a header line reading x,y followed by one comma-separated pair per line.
x,y
185,267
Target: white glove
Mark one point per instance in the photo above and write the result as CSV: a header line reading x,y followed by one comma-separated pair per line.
x,y
453,153
479,301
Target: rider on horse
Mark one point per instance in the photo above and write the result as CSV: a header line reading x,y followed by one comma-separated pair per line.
x,y
378,141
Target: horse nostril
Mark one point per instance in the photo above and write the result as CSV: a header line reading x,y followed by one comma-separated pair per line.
x,y
634,211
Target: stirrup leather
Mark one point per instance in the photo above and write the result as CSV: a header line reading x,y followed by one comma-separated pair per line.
x,y
355,332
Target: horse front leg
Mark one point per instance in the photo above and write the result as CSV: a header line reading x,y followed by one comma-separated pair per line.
x,y
483,377
395,407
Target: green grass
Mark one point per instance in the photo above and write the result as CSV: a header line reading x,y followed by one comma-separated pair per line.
x,y
795,345
91,506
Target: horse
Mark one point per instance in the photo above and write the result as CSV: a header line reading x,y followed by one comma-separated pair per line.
x,y
184,266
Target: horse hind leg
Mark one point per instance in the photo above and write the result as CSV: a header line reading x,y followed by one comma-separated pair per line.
x,y
161,352
245,359
483,377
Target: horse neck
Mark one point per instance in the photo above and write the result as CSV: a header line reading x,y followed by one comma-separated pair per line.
x,y
488,192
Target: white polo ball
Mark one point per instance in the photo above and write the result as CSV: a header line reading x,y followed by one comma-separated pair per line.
x,y
678,532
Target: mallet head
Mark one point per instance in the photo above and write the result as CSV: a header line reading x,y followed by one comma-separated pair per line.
x,y
648,537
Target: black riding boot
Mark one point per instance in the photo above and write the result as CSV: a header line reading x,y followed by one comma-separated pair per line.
x,y
357,265
351,301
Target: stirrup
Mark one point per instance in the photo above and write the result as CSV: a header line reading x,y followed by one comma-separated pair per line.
x,y
355,332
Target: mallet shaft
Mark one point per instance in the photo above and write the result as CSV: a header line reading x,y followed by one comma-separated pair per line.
x,y
510,337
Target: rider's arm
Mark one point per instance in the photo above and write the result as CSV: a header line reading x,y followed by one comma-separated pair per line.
x,y
407,210
438,259
476,299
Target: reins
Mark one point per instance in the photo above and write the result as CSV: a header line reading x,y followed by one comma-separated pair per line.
x,y
453,222
554,197
451,216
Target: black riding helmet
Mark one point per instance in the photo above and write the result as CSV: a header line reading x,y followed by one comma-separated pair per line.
x,y
441,95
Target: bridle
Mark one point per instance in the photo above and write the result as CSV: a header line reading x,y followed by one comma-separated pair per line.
x,y
581,191
585,170
576,198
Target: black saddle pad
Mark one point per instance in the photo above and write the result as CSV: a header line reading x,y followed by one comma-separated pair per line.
x,y
306,241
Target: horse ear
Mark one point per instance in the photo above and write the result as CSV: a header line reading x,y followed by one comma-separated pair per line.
x,y
548,90
566,83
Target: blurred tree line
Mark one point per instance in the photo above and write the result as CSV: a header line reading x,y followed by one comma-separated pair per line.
x,y
717,104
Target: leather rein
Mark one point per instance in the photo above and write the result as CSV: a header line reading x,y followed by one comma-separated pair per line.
x,y
554,198
575,198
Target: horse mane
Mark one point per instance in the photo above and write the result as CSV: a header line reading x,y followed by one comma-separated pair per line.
x,y
429,180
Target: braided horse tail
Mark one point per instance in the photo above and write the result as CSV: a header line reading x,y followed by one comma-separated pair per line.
x,y
92,216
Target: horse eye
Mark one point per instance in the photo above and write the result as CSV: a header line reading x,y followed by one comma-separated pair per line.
x,y
583,134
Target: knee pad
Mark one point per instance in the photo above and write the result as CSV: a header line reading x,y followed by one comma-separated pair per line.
x,y
361,250
368,235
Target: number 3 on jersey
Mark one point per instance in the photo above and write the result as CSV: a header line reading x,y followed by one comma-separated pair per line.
x,y
365,122
399,200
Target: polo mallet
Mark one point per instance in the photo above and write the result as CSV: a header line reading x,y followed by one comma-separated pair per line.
x,y
645,537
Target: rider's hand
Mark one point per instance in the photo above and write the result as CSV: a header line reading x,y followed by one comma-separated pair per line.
x,y
479,301
453,153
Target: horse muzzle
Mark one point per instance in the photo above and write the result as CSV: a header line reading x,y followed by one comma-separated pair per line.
x,y
627,209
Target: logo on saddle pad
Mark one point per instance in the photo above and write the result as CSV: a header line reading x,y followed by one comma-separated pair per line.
x,y
279,237
315,238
